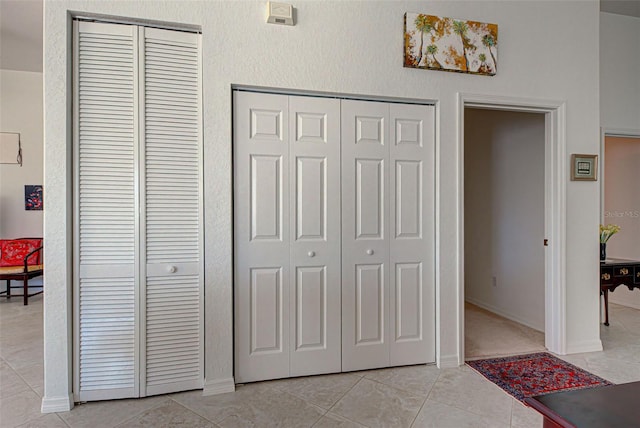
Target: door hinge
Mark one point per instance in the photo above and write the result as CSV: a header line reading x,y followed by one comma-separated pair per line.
x,y
546,242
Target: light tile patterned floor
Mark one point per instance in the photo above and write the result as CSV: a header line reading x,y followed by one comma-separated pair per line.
x,y
417,396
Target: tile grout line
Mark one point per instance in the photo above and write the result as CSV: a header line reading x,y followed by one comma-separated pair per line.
x,y
194,411
29,389
344,395
466,409
324,411
395,387
426,398
138,414
60,419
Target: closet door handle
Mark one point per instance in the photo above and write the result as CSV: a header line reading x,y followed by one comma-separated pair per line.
x,y
311,253
370,252
172,269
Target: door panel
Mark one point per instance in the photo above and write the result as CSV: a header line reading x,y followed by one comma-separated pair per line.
x,y
408,201
266,125
315,230
369,197
311,195
266,197
311,314
261,218
365,213
370,303
408,310
266,310
411,245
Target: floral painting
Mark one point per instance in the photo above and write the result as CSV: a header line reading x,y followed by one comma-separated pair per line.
x,y
33,198
448,44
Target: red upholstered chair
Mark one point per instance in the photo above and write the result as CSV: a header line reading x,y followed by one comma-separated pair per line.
x,y
21,259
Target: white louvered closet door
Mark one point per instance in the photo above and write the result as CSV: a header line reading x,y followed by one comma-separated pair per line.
x,y
106,260
172,209
138,219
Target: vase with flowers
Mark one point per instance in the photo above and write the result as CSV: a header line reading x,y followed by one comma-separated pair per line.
x,y
606,232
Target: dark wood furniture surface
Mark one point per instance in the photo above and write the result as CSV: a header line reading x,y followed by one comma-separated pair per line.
x,y
614,406
616,272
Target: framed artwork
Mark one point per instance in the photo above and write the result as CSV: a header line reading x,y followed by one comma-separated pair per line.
x,y
10,148
447,44
33,197
584,167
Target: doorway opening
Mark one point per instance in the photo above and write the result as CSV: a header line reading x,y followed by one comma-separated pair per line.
x,y
551,243
504,206
620,205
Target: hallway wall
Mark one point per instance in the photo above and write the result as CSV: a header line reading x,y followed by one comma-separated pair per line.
x,y
504,213
21,111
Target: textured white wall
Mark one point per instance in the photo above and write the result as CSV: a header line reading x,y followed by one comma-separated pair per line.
x,y
504,213
619,71
350,48
622,206
21,111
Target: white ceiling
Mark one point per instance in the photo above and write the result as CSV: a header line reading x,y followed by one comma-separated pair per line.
x,y
21,30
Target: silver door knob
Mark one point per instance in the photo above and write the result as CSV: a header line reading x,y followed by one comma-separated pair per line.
x,y
172,269
311,253
370,251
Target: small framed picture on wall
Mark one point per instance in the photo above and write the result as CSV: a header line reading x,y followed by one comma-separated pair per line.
x,y
33,197
584,167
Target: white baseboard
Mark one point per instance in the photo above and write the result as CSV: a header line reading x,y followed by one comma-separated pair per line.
x,y
448,361
502,313
219,386
584,346
57,404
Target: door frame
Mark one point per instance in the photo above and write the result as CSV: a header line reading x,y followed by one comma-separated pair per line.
x,y
555,209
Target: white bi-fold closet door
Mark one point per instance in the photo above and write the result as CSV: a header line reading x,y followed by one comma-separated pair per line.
x,y
138,266
388,241
287,235
334,235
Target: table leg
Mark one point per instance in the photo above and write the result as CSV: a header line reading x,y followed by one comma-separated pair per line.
x,y
26,291
8,288
606,306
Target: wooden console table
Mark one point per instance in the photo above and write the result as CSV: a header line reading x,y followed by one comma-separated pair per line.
x,y
615,272
614,406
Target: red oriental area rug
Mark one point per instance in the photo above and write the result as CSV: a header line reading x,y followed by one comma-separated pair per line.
x,y
528,375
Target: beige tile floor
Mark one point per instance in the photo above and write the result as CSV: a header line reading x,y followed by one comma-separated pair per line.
x,y
417,396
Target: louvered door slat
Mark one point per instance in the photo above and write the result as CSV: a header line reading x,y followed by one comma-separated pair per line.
x,y
105,216
172,152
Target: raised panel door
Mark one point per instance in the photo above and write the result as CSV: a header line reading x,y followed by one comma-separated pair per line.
x,y
314,150
411,238
365,243
261,240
